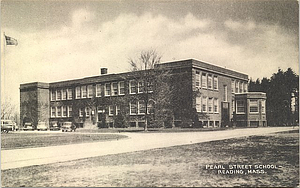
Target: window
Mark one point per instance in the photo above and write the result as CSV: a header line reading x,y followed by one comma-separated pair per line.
x,y
87,112
114,89
232,86
132,84
110,110
209,81
53,95
240,105
107,89
64,113
118,109
133,108
253,105
216,106
197,79
150,107
81,112
246,87
198,104
98,90
77,93
204,80
58,110
141,87
53,111
83,92
150,87
70,94
64,94
225,95
90,91
241,87
69,111
215,82
210,105
263,106
204,104
236,87
141,107
58,94
121,88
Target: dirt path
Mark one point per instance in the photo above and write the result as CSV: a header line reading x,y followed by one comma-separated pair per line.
x,y
137,141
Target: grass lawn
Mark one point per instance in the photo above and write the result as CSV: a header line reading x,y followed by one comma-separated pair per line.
x,y
15,140
174,166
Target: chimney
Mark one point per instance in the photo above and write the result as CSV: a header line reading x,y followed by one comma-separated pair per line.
x,y
103,71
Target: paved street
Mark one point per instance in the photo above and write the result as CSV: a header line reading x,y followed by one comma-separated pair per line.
x,y
135,142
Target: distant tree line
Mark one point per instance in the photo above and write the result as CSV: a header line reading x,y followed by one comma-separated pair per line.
x,y
282,91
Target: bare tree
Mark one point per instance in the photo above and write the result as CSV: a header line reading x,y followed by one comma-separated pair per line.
x,y
151,80
8,109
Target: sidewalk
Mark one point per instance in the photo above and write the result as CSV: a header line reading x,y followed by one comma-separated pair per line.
x,y
137,141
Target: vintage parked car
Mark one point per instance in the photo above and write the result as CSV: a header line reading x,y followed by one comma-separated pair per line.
x,y
68,126
7,125
54,127
42,126
28,127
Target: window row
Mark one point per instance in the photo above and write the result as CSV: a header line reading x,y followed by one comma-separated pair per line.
x,y
205,80
239,86
207,104
139,107
87,111
61,94
253,106
61,111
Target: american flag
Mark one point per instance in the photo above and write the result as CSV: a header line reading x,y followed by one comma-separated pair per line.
x,y
11,41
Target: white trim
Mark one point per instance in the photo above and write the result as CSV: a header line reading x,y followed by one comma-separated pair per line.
x,y
112,89
198,103
69,111
77,92
58,107
215,77
139,108
119,87
53,98
62,111
142,84
98,90
83,90
69,91
110,107
57,95
216,103
204,102
130,87
105,90
88,91
130,104
87,112
53,111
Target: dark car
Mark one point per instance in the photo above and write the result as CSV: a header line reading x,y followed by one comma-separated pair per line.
x,y
54,127
7,125
28,127
68,126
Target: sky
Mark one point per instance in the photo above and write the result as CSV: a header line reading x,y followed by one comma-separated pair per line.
x,y
62,40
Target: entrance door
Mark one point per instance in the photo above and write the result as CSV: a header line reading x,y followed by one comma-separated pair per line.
x,y
225,114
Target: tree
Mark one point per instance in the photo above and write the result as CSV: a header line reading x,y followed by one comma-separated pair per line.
x,y
152,81
8,110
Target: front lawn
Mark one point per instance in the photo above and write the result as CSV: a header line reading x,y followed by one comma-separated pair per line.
x,y
17,140
175,166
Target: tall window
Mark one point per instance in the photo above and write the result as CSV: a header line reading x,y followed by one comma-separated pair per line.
x,y
209,82
263,106
198,104
232,86
245,87
240,107
81,111
64,94
150,87
121,88
90,91
253,105
210,105
70,111
197,79
115,89
150,107
77,93
118,109
87,112
141,87
236,87
53,111
204,104
216,105
133,108
58,111
83,92
107,89
204,80
64,113
70,94
53,95
241,87
111,110
215,82
98,90
141,107
58,94
225,95
132,84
